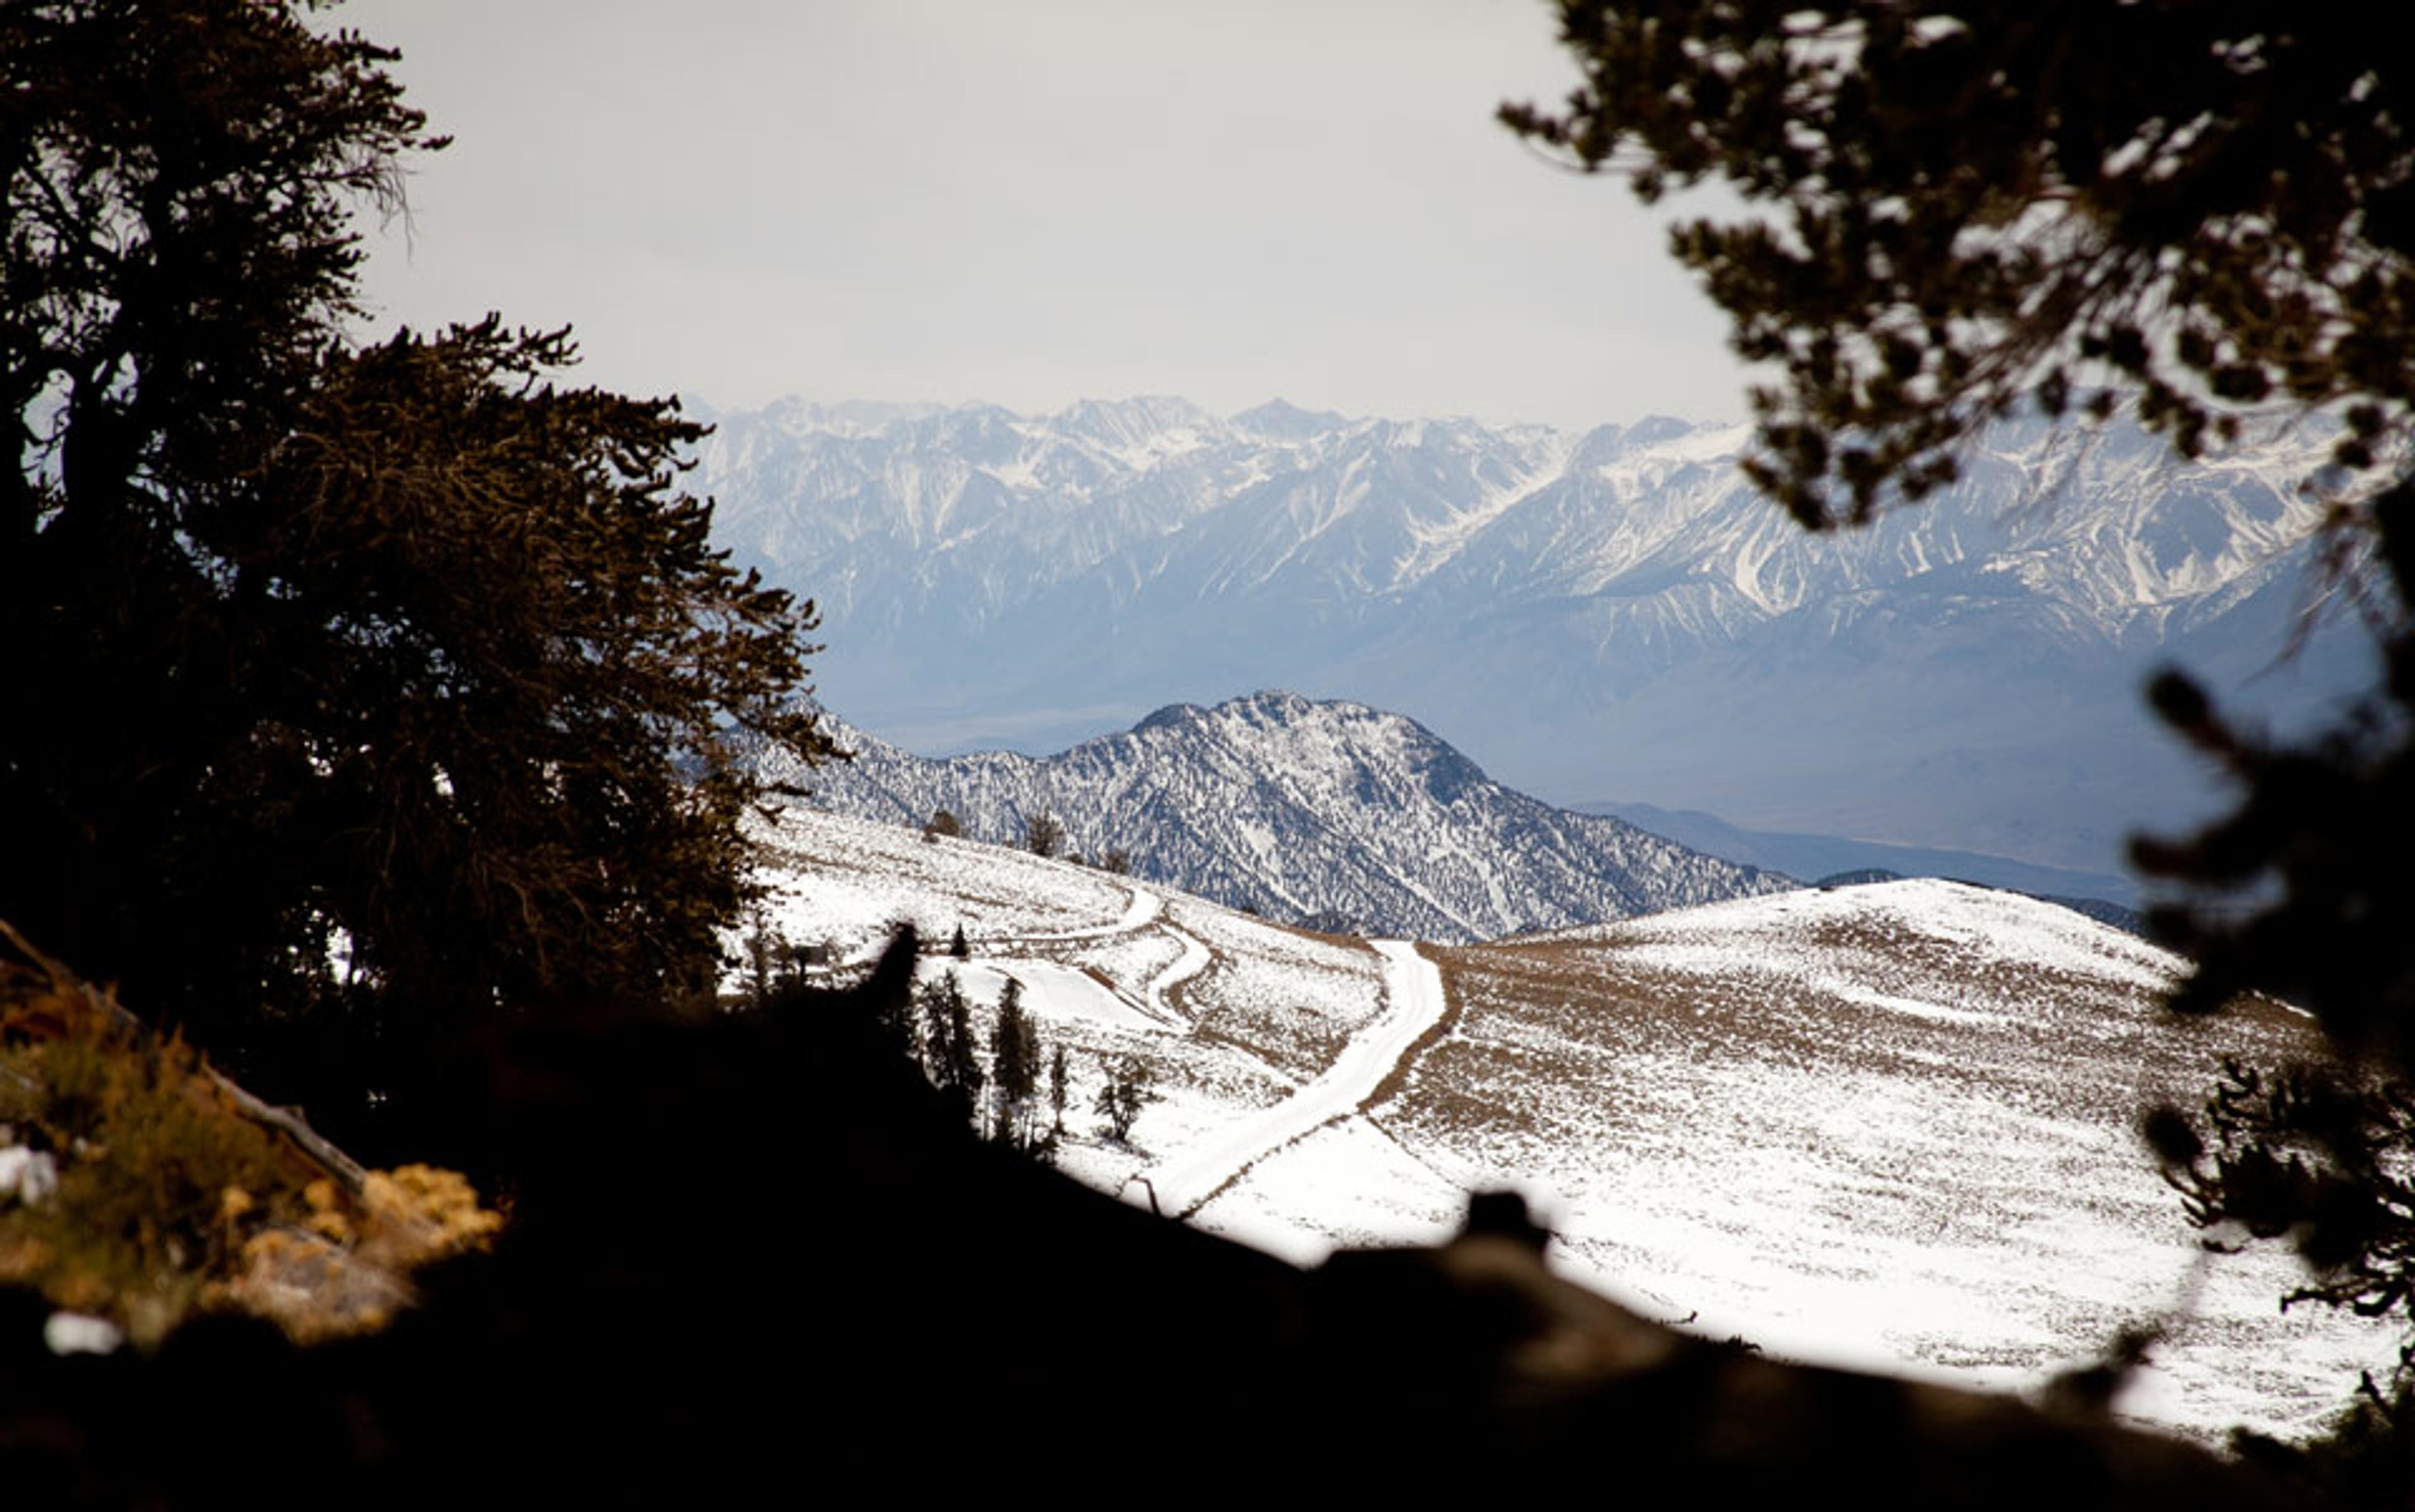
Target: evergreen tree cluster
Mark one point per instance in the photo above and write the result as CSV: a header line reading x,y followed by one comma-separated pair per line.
x,y
950,1055
773,962
998,1088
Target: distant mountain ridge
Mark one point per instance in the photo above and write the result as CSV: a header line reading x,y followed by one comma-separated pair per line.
x,y
1820,859
1330,812
1613,610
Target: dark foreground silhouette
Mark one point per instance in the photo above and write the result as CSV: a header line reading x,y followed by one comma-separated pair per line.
x,y
762,1258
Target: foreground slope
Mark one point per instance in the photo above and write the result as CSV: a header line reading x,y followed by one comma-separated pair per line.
x,y
1894,1119
1889,1125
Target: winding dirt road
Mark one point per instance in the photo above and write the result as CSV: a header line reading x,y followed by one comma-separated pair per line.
x,y
1413,1004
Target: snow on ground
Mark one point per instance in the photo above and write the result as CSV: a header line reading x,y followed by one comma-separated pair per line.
x,y
1917,911
1348,1185
1887,1127
1413,1005
1140,906
1290,996
846,882
1132,963
1233,1013
1193,958
1057,994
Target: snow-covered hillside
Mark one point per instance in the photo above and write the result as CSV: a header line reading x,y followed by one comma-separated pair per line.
x,y
1298,810
1611,615
1886,1125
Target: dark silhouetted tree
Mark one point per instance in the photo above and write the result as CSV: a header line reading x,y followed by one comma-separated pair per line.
x,y
1013,1066
950,1058
1961,213
1967,210
400,657
900,1021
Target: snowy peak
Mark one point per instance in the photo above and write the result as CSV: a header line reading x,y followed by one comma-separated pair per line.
x,y
1141,429
1278,419
1319,753
1301,809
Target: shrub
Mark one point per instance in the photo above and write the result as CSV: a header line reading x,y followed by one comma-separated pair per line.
x,y
1043,834
1128,1089
171,1195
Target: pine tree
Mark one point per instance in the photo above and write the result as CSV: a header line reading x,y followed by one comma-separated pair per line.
x,y
1128,1089
963,1051
1942,219
1057,1092
1014,1063
949,1056
959,947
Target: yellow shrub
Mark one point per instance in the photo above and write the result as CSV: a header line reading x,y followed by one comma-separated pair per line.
x,y
149,1150
171,1197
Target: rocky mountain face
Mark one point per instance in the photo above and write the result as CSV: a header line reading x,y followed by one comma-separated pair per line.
x,y
1333,813
1611,615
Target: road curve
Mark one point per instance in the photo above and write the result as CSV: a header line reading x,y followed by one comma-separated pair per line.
x,y
1195,959
1139,913
1413,1003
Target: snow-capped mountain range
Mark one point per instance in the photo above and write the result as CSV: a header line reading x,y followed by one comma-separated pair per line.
x,y
1606,615
1332,812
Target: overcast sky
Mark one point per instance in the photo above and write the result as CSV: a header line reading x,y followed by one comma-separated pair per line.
x,y
1036,201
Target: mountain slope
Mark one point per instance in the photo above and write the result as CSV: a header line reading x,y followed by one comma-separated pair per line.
x,y
1610,611
1904,1111
1297,809
1889,1125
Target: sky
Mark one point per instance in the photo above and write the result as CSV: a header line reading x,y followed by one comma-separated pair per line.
x,y
1029,204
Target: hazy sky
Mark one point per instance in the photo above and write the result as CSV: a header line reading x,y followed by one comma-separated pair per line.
x,y
1036,201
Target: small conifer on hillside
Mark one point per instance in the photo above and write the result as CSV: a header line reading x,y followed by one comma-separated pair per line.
x,y
1128,1089
1015,1064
